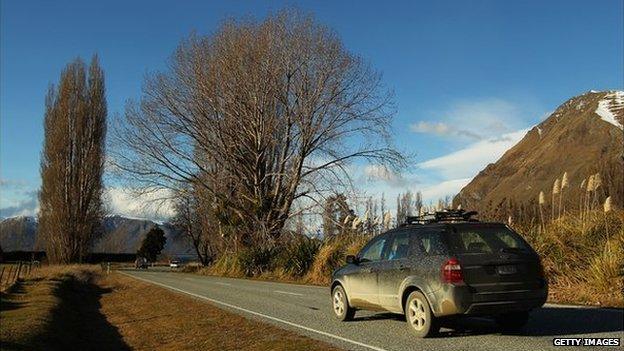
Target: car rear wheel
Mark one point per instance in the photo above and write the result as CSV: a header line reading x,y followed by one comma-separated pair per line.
x,y
340,305
420,319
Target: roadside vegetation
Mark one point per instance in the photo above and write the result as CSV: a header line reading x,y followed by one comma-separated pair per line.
x,y
583,256
583,263
81,308
582,247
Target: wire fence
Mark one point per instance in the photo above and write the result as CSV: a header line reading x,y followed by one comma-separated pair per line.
x,y
10,272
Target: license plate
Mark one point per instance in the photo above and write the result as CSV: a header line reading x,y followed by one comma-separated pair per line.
x,y
507,270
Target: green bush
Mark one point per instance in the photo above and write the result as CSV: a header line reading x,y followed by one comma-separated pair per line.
x,y
256,260
297,257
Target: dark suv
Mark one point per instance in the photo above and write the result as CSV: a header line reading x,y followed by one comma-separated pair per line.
x,y
440,265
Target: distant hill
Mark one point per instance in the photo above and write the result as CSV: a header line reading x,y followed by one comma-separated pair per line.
x,y
121,235
583,136
18,234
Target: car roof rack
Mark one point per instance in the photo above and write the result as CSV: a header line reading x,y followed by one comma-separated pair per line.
x,y
444,216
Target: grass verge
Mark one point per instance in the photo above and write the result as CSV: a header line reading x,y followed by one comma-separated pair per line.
x,y
76,308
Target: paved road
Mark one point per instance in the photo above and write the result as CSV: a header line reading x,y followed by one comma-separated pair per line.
x,y
306,310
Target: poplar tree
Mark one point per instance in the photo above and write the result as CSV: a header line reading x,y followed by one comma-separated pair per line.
x,y
72,162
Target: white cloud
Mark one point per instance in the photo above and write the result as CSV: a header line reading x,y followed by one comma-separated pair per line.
x,y
477,120
467,162
442,129
154,205
27,205
17,198
12,183
431,127
382,173
443,189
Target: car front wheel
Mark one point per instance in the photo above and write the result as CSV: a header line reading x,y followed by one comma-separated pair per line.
x,y
420,319
340,305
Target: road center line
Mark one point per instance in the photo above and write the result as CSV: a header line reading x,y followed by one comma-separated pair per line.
x,y
286,292
225,284
258,314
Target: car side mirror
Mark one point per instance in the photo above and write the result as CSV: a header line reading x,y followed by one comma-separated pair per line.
x,y
352,259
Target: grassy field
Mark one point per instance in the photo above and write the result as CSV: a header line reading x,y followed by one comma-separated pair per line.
x,y
76,307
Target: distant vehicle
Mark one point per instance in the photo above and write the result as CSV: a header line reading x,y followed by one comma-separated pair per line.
x,y
141,263
175,264
439,265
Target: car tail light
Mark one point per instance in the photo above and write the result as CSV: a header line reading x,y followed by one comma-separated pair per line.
x,y
452,272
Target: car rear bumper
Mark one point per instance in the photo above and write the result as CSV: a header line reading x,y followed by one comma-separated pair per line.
x,y
453,300
497,307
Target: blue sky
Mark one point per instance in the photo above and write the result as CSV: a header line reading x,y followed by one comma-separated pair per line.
x,y
468,76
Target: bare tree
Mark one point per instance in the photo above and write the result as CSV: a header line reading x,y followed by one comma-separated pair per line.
x,y
278,107
72,162
191,221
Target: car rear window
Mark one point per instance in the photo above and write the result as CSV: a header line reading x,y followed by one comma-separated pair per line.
x,y
482,239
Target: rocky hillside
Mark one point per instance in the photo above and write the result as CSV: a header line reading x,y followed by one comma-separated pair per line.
x,y
582,137
121,235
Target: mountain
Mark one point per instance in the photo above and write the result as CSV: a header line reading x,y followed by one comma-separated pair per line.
x,y
582,137
121,235
18,233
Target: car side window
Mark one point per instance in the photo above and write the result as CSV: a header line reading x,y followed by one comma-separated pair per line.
x,y
399,247
429,242
374,250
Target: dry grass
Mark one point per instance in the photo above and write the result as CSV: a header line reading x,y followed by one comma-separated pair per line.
x,y
583,257
331,256
75,307
56,309
161,321
25,312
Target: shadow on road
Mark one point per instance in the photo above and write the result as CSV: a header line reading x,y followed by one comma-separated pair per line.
x,y
567,320
546,321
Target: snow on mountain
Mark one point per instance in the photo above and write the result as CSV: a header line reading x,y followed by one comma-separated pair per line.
x,y
610,106
572,140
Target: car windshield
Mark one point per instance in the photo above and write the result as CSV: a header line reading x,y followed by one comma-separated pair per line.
x,y
485,239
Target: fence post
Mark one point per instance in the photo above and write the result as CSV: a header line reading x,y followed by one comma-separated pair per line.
x,y
108,268
9,275
19,270
1,275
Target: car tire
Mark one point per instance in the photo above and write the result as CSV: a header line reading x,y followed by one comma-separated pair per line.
x,y
420,318
513,321
340,304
